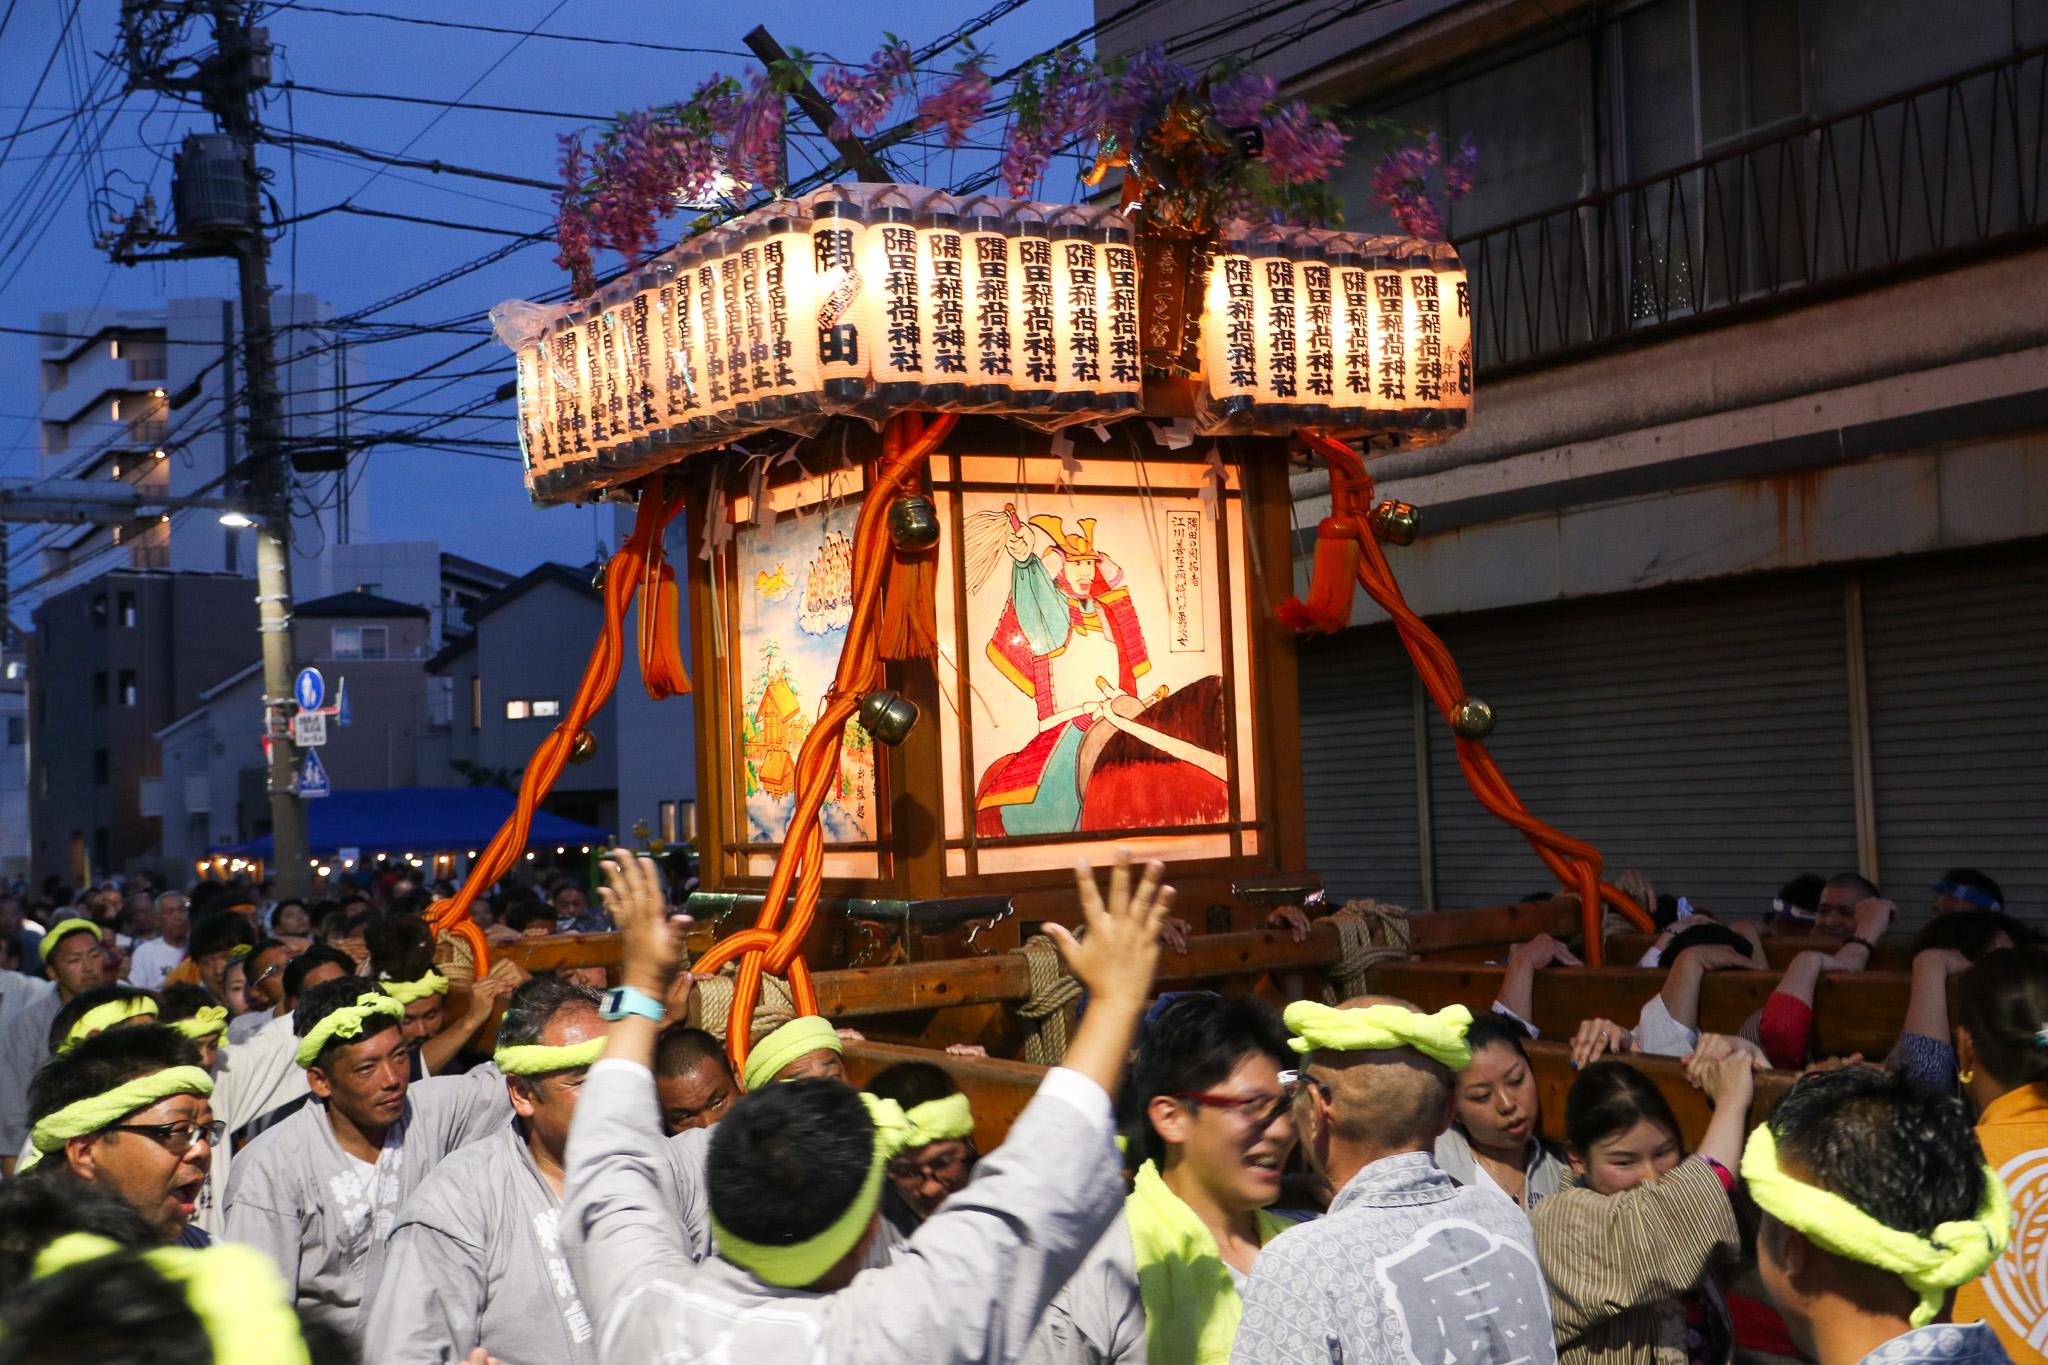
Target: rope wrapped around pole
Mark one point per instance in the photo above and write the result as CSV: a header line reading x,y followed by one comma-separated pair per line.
x,y
772,946
1575,863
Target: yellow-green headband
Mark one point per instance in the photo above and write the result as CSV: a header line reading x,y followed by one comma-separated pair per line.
x,y
244,1328
792,1267
103,1111
405,992
940,1119
1439,1036
100,1018
1957,1253
205,1021
806,1033
346,1022
64,929
535,1060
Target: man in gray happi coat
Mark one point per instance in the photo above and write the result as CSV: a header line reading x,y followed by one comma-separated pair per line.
x,y
476,1258
1406,1268
73,963
320,1192
794,1183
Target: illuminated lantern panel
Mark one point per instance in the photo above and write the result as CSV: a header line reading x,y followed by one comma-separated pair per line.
x,y
868,300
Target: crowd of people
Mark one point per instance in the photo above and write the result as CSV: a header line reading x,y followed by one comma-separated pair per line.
x,y
238,1131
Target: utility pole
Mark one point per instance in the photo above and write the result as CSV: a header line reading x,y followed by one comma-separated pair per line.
x,y
210,222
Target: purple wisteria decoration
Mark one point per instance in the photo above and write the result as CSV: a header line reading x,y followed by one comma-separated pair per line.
x,y
1401,185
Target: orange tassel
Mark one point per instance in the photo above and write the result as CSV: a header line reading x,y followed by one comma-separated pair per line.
x,y
1332,583
909,624
661,651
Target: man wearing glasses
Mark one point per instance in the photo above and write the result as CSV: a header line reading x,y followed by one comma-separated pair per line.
x,y
265,975
130,1109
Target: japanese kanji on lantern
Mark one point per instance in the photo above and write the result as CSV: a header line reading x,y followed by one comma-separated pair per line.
x,y
868,300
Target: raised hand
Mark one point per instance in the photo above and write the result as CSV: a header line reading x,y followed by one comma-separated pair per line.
x,y
650,943
1120,951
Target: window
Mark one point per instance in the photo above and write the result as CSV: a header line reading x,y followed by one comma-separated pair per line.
x,y
127,687
371,589
99,610
16,669
100,767
17,728
546,708
476,704
125,604
518,710
361,642
550,707
99,688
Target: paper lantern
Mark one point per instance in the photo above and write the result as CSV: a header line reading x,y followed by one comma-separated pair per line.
x,y
564,346
752,350
536,434
1230,327
888,308
1316,334
987,249
643,335
1035,348
1351,318
675,385
839,228
1274,311
1123,376
614,367
1077,320
1390,332
732,325
1456,294
942,302
1426,334
707,331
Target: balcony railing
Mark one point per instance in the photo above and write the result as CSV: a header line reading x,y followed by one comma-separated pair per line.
x,y
146,368
1941,172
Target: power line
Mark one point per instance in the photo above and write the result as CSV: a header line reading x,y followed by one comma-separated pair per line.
x,y
449,104
438,167
509,32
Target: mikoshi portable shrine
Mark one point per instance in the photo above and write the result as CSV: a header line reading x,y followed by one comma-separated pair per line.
x,y
990,563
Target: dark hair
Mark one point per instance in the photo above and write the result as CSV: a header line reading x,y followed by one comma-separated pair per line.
x,y
2005,1007
296,971
264,945
1976,881
84,1003
217,932
535,1003
786,1161
103,1061
1855,881
181,1001
324,999
1800,896
1972,932
912,1083
1707,936
36,1211
1494,1029
1905,1156
1195,1043
401,948
522,913
680,1049
1610,1098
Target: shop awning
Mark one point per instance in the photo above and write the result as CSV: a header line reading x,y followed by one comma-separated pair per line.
x,y
418,820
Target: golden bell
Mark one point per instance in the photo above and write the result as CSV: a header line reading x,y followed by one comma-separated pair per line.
x,y
888,716
913,522
1396,522
584,748
1471,718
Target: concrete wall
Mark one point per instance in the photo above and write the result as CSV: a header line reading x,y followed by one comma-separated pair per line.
x,y
534,647
387,700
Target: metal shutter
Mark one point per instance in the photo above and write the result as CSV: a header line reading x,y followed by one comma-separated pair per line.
x,y
1358,766
1958,669
1700,735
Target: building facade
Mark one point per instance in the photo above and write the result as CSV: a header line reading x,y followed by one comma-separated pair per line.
x,y
1748,545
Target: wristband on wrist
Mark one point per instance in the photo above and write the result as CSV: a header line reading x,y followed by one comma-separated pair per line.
x,y
622,1001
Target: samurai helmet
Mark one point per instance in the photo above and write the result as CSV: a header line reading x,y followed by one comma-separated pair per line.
x,y
1073,547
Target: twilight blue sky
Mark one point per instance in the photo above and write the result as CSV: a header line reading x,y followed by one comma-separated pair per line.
x,y
473,506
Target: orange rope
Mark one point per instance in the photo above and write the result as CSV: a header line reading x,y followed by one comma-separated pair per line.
x,y
907,442
638,561
1574,863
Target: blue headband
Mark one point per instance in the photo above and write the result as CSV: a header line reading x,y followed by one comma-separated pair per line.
x,y
1983,900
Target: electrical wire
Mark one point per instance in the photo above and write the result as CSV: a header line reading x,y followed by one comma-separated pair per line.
x,y
510,32
448,104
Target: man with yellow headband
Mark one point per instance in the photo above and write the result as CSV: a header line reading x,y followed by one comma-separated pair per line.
x,y
795,1176
73,963
1406,1266
127,1109
1877,1204
476,1258
321,1191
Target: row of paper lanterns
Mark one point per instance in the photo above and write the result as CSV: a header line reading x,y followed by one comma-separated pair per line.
x,y
868,299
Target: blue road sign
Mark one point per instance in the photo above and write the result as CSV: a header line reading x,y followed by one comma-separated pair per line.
x,y
310,689
313,776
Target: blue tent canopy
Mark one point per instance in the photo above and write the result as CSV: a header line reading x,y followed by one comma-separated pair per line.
x,y
418,820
